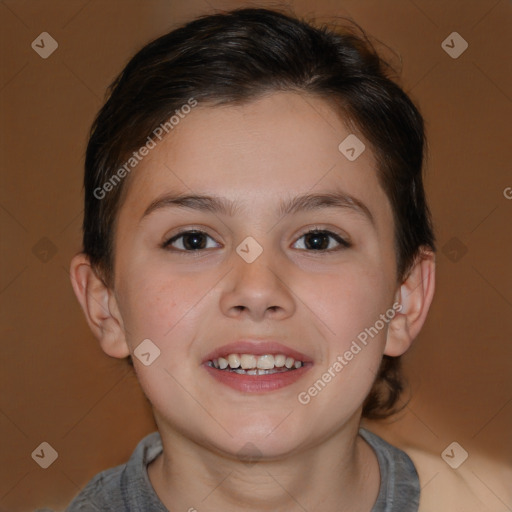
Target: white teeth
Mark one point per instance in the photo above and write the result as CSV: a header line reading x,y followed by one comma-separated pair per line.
x,y
265,362
250,364
247,361
233,360
279,360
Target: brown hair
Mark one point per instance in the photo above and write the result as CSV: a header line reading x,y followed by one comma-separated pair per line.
x,y
235,57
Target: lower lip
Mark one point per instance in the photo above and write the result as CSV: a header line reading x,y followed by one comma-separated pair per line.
x,y
257,383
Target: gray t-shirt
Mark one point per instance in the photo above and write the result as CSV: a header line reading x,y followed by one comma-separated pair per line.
x,y
127,488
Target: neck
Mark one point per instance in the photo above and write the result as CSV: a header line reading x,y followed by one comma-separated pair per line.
x,y
338,474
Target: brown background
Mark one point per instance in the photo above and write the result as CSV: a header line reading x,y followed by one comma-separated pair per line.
x,y
58,386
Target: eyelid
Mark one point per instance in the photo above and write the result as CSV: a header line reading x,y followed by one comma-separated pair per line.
x,y
342,240
168,239
326,229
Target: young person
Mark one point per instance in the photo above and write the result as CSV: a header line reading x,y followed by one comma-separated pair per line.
x,y
258,245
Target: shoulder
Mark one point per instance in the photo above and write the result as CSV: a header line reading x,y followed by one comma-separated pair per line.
x,y
123,487
477,485
93,496
399,483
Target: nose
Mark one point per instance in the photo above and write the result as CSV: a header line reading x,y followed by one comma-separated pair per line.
x,y
259,289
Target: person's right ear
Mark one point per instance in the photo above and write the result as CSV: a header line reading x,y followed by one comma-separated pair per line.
x,y
100,307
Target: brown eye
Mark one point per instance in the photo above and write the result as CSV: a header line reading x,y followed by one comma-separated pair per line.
x,y
189,241
320,240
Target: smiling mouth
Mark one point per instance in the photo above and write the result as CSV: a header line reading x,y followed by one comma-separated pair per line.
x,y
250,364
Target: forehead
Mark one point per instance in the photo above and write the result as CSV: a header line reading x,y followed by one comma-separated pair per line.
x,y
280,145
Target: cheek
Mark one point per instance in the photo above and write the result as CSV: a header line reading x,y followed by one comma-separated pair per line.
x,y
155,306
349,299
350,305
163,309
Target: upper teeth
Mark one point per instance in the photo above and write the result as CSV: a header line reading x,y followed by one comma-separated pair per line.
x,y
250,361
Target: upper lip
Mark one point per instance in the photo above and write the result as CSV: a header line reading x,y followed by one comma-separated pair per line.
x,y
258,348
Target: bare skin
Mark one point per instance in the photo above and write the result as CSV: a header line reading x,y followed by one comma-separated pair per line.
x,y
479,484
191,302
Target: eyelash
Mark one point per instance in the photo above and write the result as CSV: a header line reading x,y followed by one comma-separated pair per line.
x,y
344,244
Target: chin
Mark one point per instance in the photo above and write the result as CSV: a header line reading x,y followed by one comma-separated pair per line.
x,y
263,437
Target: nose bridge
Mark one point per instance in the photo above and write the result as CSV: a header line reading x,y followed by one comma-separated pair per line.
x,y
255,263
256,284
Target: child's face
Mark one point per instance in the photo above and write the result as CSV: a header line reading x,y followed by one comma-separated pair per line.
x,y
192,303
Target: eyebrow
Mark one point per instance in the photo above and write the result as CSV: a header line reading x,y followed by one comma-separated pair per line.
x,y
305,202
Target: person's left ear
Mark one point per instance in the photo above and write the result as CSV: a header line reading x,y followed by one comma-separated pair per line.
x,y
415,295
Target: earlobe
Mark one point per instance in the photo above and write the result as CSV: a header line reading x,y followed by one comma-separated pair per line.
x,y
415,295
99,306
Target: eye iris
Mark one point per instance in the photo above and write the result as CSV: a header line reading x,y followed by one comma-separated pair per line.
x,y
316,237
194,241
